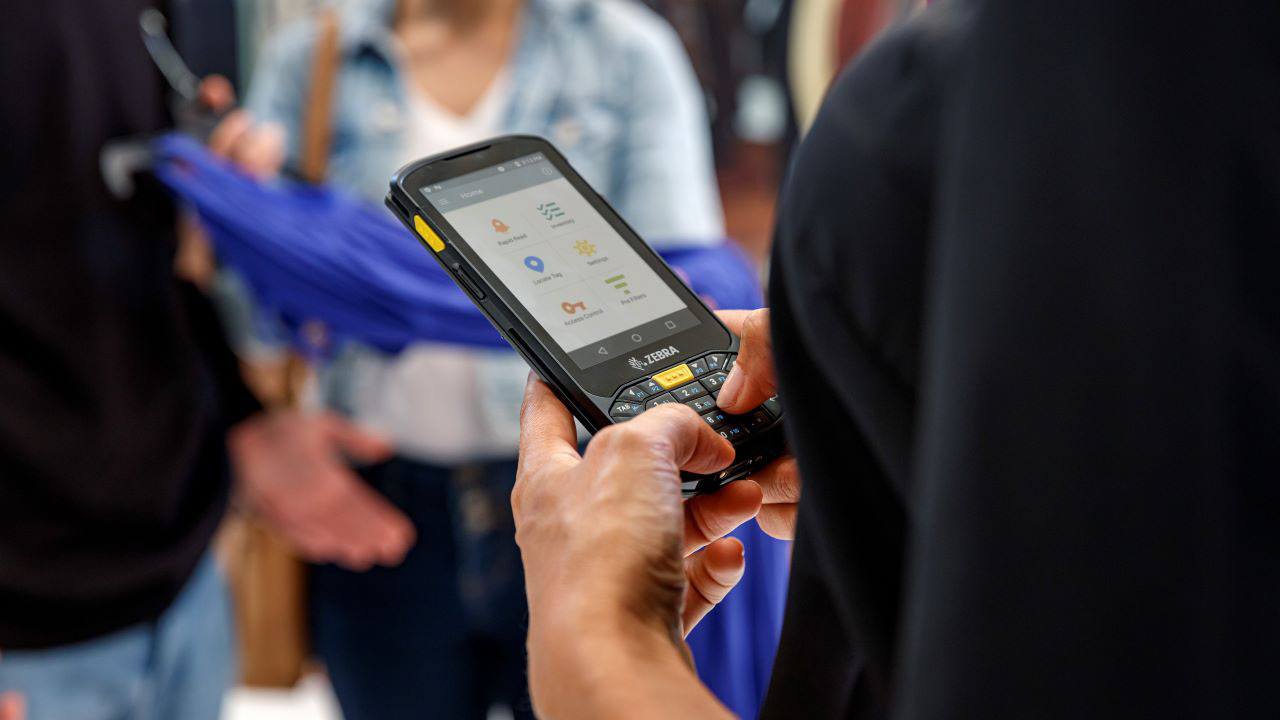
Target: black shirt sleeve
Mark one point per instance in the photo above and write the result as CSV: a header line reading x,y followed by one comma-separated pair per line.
x,y
235,401
1027,327
846,297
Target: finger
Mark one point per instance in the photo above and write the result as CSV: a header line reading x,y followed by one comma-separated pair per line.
x,y
546,427
359,444
711,574
229,132
710,517
216,93
780,481
778,521
751,381
690,443
261,150
367,528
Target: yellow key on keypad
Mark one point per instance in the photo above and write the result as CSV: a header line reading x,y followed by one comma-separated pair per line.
x,y
672,377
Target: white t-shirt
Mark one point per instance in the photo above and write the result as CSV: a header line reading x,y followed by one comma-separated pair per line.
x,y
443,404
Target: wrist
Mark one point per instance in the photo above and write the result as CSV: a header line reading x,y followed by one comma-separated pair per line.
x,y
592,664
587,660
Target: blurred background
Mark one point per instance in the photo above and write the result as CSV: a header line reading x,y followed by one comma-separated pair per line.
x,y
762,67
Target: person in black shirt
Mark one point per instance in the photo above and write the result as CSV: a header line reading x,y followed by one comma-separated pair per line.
x,y
119,401
1027,330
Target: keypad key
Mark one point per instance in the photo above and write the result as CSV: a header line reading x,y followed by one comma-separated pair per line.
x,y
728,364
702,404
715,361
755,420
713,381
674,377
733,433
689,392
650,387
699,368
662,399
635,393
715,419
626,409
774,405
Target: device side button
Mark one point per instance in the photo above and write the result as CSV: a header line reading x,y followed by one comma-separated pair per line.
x,y
473,286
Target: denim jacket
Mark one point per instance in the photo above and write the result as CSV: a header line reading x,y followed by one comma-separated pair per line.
x,y
606,81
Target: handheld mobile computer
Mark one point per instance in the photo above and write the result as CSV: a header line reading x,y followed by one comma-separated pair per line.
x,y
591,307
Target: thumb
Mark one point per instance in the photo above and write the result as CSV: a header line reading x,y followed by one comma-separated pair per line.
x,y
752,379
362,445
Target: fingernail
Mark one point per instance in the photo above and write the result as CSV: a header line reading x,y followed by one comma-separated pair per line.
x,y
732,388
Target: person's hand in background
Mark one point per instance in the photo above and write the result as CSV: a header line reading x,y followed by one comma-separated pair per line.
x,y
12,707
752,381
292,469
258,148
611,569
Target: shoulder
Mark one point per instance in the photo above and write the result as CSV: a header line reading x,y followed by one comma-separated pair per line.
x,y
884,107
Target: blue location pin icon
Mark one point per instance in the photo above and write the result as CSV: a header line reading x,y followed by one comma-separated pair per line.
x,y
534,263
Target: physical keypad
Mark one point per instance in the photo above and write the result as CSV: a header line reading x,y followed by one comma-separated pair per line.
x,y
696,384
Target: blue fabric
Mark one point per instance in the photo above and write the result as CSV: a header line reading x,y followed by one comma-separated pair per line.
x,y
316,254
178,666
319,254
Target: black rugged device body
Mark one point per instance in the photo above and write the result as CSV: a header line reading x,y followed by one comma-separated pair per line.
x,y
626,383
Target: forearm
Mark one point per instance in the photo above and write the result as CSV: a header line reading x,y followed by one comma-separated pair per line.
x,y
586,666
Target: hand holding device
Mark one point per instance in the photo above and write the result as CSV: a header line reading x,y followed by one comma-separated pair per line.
x,y
607,544
752,381
578,294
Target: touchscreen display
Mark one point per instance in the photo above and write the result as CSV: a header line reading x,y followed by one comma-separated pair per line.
x,y
592,293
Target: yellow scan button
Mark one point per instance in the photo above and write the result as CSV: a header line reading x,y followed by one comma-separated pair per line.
x,y
433,240
677,375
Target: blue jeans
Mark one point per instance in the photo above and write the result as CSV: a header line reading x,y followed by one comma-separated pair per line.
x,y
442,634
175,667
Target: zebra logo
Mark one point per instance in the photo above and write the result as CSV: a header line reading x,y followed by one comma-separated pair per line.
x,y
635,364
